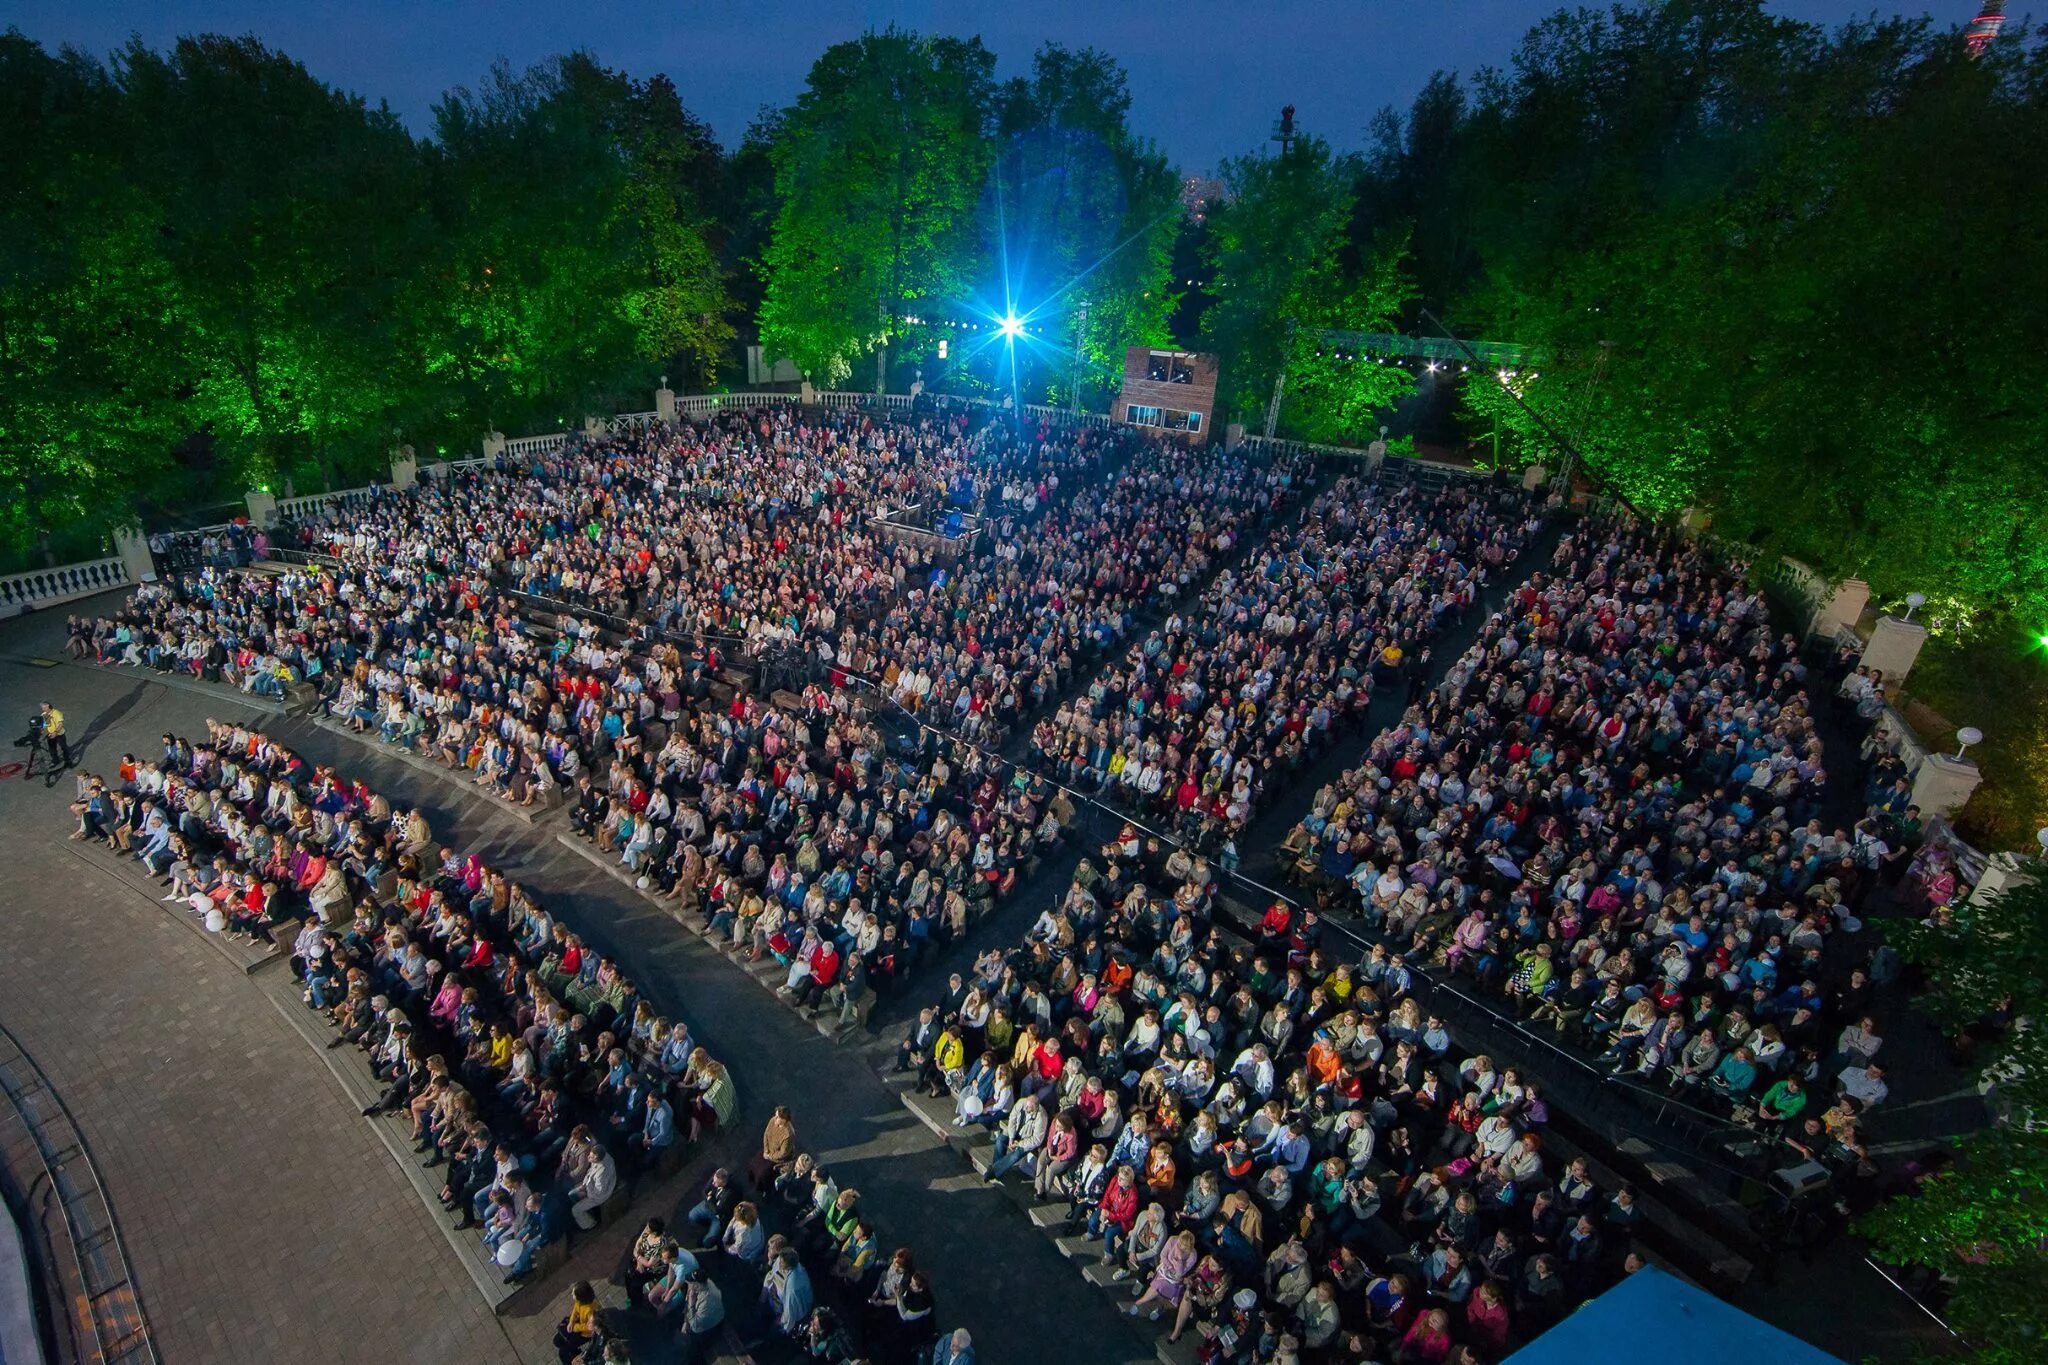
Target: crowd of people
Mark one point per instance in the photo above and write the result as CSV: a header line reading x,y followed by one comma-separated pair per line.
x,y
1277,657
1012,627
802,833
524,1063
708,542
1276,1151
779,1255
1608,818
235,545
799,833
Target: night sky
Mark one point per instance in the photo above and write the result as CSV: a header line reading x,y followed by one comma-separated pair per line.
x,y
1337,60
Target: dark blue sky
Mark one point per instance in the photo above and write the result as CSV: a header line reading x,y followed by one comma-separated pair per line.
x,y
1337,60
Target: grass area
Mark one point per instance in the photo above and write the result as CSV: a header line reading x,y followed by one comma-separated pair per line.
x,y
1998,682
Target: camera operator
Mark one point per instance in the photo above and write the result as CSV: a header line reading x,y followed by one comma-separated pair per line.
x,y
52,722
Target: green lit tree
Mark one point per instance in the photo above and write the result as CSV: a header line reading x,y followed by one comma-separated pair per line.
x,y
679,303
1757,260
577,214
747,209
1983,1222
878,168
288,219
1285,271
90,347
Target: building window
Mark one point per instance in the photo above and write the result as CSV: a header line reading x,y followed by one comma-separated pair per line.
x,y
1156,367
1194,421
1183,372
1141,416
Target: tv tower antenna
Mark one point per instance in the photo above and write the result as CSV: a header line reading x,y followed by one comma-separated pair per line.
x,y
1984,27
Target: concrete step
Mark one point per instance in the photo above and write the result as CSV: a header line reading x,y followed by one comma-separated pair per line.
x,y
611,867
933,1114
1051,1217
1104,1277
1079,1247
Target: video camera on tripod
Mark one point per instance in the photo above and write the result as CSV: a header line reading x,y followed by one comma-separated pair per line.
x,y
37,741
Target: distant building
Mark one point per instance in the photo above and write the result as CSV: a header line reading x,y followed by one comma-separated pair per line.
x,y
1197,193
1168,391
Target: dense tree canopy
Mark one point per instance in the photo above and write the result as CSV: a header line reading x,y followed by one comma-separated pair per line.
x,y
88,415
1777,274
217,272
878,168
1284,271
1080,219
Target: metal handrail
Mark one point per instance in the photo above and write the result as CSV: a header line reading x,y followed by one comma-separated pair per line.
x,y
111,1307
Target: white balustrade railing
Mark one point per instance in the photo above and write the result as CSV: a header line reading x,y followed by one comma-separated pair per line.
x,y
315,504
40,588
524,447
1100,420
700,404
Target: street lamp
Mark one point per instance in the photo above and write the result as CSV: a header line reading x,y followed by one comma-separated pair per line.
x,y
1965,737
1914,601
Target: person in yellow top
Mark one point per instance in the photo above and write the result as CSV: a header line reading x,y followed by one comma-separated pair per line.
x,y
949,1054
53,730
580,1328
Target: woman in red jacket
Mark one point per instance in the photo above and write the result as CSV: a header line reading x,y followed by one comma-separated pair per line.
x,y
1114,1213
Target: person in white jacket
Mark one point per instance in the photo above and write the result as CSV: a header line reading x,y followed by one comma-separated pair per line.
x,y
599,1183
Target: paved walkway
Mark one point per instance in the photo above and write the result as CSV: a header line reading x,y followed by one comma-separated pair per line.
x,y
261,1213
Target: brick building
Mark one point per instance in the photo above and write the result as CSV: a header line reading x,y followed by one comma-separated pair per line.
x,y
1168,391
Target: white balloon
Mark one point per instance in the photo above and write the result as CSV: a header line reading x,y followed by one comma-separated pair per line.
x,y
509,1252
215,921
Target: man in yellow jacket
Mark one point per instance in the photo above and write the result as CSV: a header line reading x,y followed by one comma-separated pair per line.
x,y
53,730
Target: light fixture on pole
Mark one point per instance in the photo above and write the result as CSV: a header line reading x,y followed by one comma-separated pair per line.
x,y
1914,601
1965,737
1013,326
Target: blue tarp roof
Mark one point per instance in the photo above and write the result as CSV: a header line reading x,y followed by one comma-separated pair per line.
x,y
1653,1316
